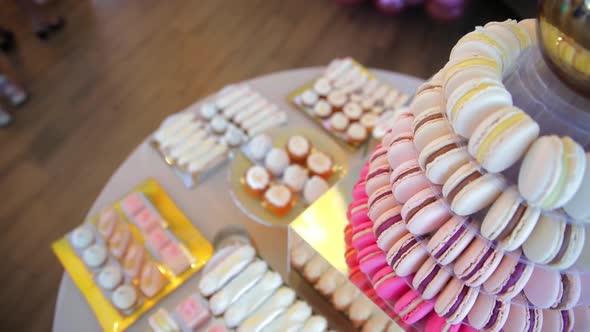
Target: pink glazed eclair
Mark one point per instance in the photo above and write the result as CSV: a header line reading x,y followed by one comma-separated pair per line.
x,y
407,179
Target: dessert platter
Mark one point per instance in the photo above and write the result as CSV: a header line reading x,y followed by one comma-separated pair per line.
x,y
465,211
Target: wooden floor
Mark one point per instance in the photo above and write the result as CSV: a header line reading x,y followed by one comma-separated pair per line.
x,y
121,66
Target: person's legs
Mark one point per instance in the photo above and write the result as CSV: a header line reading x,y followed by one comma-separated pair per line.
x,y
43,24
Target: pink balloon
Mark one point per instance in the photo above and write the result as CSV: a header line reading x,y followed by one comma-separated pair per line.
x,y
445,13
390,7
349,2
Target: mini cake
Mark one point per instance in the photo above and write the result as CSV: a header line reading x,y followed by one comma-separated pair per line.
x,y
339,122
257,180
125,298
320,164
369,120
193,313
120,240
322,109
309,98
107,222
133,261
233,137
95,255
298,148
175,258
278,199
337,99
259,146
314,188
162,321
218,124
356,133
207,111
322,86
82,237
276,161
353,111
295,178
110,277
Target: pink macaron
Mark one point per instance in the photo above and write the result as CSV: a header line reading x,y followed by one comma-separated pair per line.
x,y
436,323
450,240
430,279
359,191
582,318
389,227
403,122
388,285
351,258
430,125
552,289
477,263
359,279
348,235
559,320
510,276
411,307
378,158
364,171
407,179
425,212
488,313
406,256
371,259
522,318
455,301
363,236
377,179
380,201
358,212
401,149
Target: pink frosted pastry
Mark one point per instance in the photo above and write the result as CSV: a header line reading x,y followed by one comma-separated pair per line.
x,y
363,235
411,307
120,240
477,263
158,238
133,203
192,313
424,212
359,212
388,285
152,280
380,201
133,261
401,149
430,279
175,258
406,256
146,220
107,222
407,179
389,227
371,259
377,178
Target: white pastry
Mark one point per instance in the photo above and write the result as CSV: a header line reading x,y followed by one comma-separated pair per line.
x,y
353,111
233,137
110,277
231,265
339,122
292,319
360,310
208,111
315,324
259,146
322,109
315,268
268,311
330,281
377,323
82,237
301,254
357,132
309,98
322,86
240,105
276,161
344,296
295,177
250,111
95,255
218,124
274,120
124,297
229,95
314,188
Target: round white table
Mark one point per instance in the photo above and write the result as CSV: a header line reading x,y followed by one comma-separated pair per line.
x,y
209,206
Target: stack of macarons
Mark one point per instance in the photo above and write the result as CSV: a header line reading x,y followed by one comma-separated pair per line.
x,y
470,206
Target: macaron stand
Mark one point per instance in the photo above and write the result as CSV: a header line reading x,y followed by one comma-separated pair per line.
x,y
468,214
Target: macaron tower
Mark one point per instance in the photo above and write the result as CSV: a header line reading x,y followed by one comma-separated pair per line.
x,y
469,215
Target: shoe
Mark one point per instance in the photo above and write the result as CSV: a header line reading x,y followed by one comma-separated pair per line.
x,y
5,118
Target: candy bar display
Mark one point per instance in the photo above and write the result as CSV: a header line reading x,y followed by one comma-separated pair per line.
x,y
276,175
131,254
469,214
200,138
348,100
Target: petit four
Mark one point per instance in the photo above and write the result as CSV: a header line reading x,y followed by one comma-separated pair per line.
x,y
322,87
322,109
357,133
158,238
259,147
133,260
208,111
279,199
314,188
132,204
175,258
309,98
339,122
298,148
162,321
320,164
146,220
152,280
353,111
337,99
192,313
369,120
257,180
107,222
218,125
295,178
82,237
